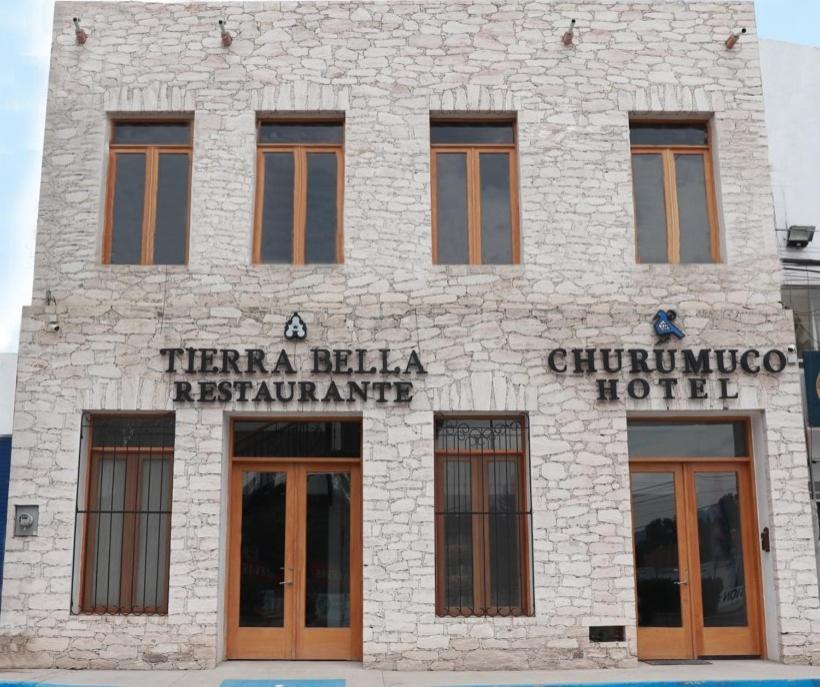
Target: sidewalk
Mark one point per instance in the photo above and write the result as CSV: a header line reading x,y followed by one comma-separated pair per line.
x,y
356,676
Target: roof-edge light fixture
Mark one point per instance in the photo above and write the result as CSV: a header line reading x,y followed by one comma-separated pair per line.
x,y
227,39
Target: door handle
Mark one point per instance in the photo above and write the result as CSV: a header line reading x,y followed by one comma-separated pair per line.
x,y
284,582
679,582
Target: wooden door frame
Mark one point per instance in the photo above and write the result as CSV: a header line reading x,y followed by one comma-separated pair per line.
x,y
734,639
755,631
297,642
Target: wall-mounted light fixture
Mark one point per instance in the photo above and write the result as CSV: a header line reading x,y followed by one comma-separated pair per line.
x,y
227,39
79,34
799,236
733,38
566,39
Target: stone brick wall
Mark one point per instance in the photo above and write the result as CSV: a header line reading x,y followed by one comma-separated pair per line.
x,y
483,332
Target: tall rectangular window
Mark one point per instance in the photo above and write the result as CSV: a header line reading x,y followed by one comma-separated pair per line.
x,y
125,518
674,194
483,517
475,192
300,181
147,207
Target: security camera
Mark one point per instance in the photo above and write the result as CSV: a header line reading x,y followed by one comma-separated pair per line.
x,y
791,354
52,323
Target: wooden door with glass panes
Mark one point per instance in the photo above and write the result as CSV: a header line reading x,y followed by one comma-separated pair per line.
x,y
294,588
697,571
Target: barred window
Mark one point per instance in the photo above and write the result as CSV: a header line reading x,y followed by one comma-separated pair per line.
x,y
483,517
124,521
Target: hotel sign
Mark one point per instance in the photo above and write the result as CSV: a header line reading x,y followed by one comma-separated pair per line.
x,y
697,365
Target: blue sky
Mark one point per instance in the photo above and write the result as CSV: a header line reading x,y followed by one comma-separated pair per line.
x,y
23,81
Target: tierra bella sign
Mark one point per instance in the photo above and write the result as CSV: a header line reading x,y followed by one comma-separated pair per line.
x,y
251,375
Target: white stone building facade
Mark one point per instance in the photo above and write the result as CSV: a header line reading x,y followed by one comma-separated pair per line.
x,y
483,333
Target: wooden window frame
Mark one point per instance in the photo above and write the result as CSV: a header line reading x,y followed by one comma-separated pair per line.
x,y
479,497
300,152
473,151
152,153
670,192
133,493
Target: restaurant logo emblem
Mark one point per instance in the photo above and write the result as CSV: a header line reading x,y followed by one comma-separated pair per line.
x,y
665,327
295,328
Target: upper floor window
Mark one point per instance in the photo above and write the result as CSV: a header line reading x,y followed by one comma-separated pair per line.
x,y
148,193
475,192
673,186
300,180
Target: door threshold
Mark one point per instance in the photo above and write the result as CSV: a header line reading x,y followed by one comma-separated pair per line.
x,y
676,661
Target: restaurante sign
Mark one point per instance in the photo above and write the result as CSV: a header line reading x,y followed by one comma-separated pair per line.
x,y
229,363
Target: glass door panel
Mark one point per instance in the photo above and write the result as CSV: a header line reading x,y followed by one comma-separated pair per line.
x,y
724,547
327,568
657,566
661,567
261,561
263,577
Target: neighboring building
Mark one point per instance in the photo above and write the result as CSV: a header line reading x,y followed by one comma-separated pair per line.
x,y
8,370
791,82
462,432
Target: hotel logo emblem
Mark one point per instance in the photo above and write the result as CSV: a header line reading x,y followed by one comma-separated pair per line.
x,y
295,328
665,327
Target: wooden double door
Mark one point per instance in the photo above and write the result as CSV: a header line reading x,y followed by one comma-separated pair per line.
x,y
696,562
295,560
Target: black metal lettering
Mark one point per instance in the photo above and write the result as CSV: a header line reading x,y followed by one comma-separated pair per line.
x,y
230,361
696,388
745,365
724,388
182,392
606,363
321,361
414,364
263,394
256,360
668,384
172,354
307,392
283,363
552,359
637,359
637,389
697,364
332,393
721,364
659,366
781,361
403,390
607,389
583,358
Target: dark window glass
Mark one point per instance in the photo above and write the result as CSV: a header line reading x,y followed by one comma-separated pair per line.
x,y
451,208
321,219
722,578
152,133
301,132
170,236
805,304
125,519
668,134
687,439
277,209
482,517
129,204
327,578
458,535
695,232
650,208
133,431
472,133
655,537
504,529
262,576
292,439
496,218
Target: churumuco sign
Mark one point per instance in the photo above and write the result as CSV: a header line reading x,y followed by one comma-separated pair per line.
x,y
675,371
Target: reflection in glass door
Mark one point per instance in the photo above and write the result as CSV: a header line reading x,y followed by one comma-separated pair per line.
x,y
661,575
697,579
295,561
